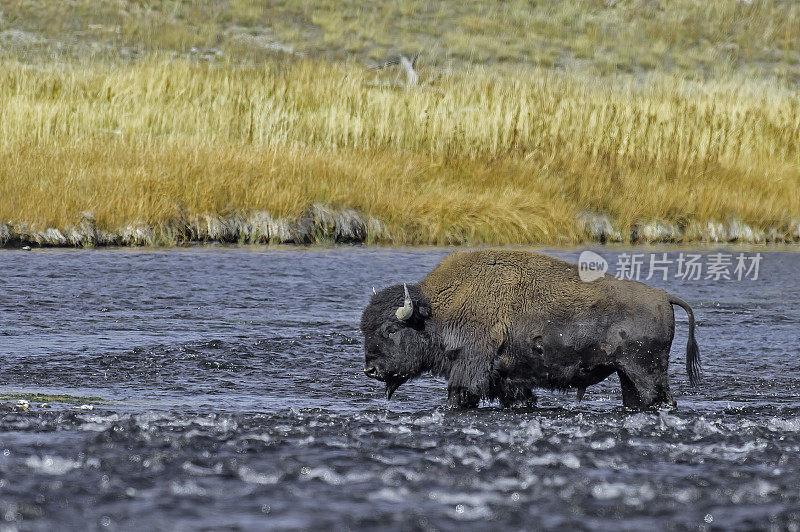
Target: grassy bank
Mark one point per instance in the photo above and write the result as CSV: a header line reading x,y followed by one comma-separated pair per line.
x,y
548,122
472,158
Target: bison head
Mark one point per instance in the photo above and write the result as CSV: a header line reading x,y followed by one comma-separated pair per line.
x,y
399,342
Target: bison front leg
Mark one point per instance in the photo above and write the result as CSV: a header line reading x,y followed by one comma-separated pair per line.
x,y
459,397
469,378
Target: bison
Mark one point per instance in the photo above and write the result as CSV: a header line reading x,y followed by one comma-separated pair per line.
x,y
497,324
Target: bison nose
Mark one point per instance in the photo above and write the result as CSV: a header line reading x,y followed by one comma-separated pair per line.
x,y
372,371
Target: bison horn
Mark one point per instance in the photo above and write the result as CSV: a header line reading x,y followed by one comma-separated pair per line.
x,y
405,312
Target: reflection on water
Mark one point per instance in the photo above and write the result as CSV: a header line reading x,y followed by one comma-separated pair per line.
x,y
237,399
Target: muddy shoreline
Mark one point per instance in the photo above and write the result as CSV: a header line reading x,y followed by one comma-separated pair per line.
x,y
321,224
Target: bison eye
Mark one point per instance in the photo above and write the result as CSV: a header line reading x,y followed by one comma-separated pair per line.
x,y
388,329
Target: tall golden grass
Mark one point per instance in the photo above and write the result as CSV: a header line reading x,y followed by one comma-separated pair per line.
x,y
473,158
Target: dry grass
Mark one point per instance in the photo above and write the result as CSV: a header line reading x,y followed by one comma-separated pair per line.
x,y
474,158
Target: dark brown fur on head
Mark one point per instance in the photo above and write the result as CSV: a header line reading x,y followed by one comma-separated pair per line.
x,y
398,350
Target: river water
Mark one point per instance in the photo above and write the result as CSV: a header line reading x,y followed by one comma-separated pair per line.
x,y
234,397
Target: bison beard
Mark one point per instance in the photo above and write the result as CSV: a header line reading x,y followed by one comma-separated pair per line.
x,y
392,384
498,323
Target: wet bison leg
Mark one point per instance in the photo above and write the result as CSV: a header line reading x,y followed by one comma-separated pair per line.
x,y
458,397
518,397
631,396
644,380
469,377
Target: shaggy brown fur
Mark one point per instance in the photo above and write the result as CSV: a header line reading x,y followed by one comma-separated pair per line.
x,y
497,323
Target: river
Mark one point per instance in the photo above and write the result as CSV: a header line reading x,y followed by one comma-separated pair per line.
x,y
224,388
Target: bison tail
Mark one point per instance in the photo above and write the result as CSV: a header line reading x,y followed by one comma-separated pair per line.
x,y
693,368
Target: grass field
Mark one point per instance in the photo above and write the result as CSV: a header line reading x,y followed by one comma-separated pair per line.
x,y
688,37
478,153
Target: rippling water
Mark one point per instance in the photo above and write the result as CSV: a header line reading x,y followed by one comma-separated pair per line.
x,y
235,398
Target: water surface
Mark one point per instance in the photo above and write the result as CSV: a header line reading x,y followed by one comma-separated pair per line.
x,y
236,399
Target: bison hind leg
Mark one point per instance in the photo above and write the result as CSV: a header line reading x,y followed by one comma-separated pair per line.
x,y
642,390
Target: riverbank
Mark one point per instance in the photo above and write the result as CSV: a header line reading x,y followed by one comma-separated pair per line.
x,y
323,225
